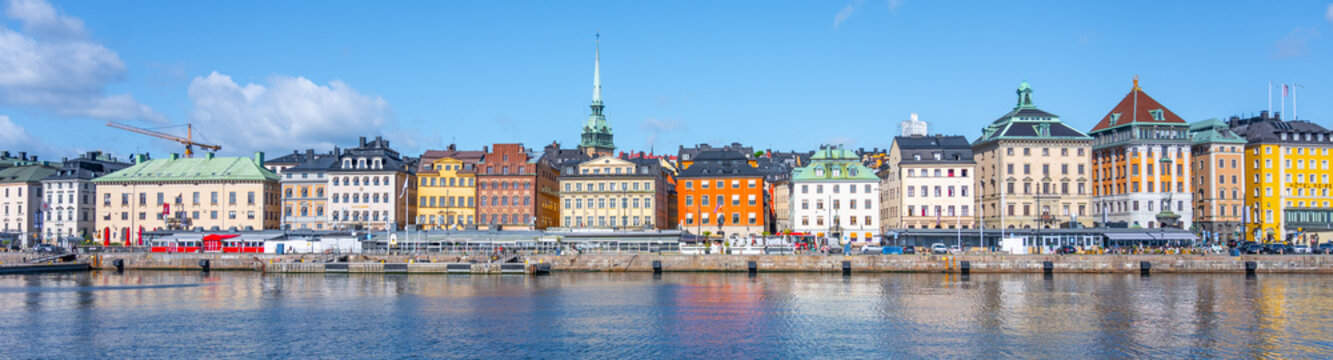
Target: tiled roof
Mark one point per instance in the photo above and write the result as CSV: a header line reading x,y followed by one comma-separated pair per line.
x,y
1136,107
206,168
1271,130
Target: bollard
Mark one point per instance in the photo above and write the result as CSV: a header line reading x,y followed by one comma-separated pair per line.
x,y
203,264
846,268
1251,267
754,267
1047,267
657,266
1145,267
119,264
965,267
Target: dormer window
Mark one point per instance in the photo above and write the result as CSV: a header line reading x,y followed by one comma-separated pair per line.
x,y
347,163
937,156
1157,115
916,156
819,172
837,172
1115,117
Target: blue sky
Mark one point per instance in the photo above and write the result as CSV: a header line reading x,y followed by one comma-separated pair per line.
x,y
276,76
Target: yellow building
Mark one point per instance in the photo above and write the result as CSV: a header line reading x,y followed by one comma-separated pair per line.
x,y
447,190
1287,189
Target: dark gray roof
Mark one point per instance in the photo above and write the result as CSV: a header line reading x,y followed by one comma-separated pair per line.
x,y
87,167
378,148
720,163
1272,129
690,153
951,149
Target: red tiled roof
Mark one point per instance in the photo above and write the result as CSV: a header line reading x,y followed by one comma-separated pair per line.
x,y
1145,104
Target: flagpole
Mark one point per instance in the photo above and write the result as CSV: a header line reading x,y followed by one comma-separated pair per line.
x,y
1270,98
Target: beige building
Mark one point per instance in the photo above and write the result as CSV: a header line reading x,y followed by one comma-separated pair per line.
x,y
21,199
611,193
928,184
1032,170
207,192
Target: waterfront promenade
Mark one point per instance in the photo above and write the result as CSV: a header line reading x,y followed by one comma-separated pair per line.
x,y
370,263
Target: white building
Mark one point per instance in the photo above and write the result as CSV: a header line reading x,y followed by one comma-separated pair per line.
x,y
21,200
836,198
69,197
366,188
929,183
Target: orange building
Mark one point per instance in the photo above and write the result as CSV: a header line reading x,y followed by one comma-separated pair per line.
x,y
1141,164
723,194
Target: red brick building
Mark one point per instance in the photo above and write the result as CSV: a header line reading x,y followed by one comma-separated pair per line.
x,y
516,189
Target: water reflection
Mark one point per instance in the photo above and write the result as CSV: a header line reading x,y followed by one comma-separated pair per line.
x,y
157,314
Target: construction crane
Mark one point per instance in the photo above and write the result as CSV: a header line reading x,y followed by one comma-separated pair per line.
x,y
188,140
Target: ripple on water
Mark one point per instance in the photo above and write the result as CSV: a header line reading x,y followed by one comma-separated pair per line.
x,y
675,315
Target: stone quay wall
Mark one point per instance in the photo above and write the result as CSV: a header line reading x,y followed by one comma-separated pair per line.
x,y
729,263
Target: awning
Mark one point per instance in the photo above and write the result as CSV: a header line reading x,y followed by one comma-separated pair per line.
x,y
1174,236
1128,236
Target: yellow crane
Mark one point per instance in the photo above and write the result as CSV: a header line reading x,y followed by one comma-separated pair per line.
x,y
188,140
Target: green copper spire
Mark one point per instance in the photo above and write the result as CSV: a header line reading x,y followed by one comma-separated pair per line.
x,y
1025,96
597,137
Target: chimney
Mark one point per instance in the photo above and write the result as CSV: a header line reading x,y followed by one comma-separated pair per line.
x,y
23,155
363,141
336,151
208,155
259,158
175,156
64,160
34,158
486,149
4,154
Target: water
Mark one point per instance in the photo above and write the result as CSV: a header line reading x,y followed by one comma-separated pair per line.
x,y
677,315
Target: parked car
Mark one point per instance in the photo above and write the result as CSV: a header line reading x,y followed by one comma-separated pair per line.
x,y
1066,249
1277,249
1301,249
48,249
1251,249
893,250
1325,248
939,248
909,250
955,249
871,250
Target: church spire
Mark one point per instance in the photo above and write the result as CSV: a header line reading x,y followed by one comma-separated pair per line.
x,y
597,137
597,71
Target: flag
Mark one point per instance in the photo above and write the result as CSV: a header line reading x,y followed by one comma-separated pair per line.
x,y
1284,90
718,208
403,192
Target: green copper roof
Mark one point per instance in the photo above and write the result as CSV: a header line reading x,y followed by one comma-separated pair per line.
x,y
1027,122
1213,131
826,160
205,168
25,174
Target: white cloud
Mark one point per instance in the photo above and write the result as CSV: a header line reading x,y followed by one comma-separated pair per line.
x,y
52,66
1329,14
40,18
286,113
14,138
895,4
846,12
655,127
1293,44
